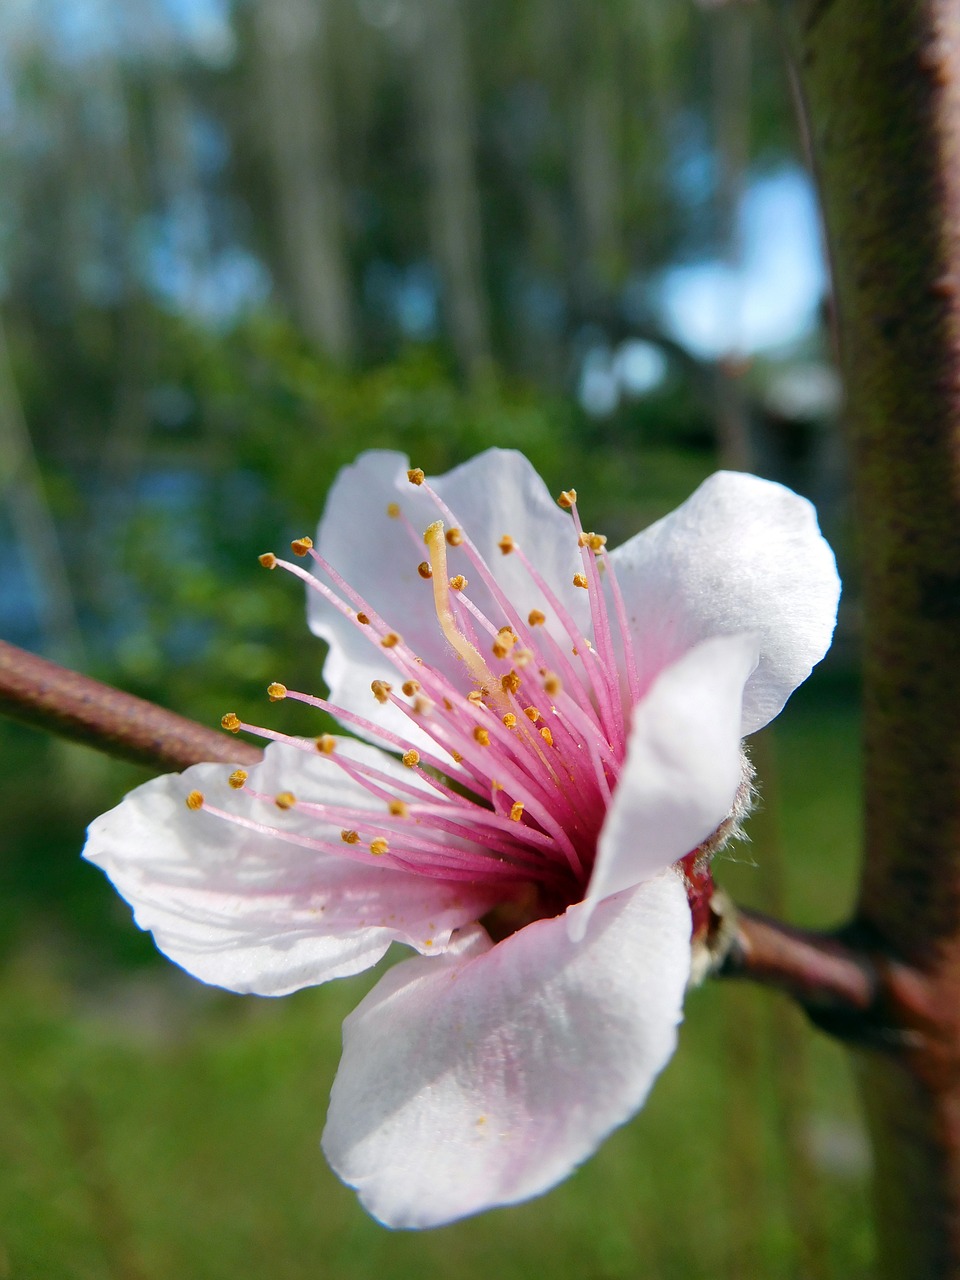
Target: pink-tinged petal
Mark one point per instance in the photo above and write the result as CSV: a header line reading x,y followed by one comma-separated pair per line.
x,y
485,1077
683,766
741,554
248,911
495,493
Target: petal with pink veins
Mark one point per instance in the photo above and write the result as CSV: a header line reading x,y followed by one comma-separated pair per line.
x,y
246,910
496,493
683,766
485,1077
741,554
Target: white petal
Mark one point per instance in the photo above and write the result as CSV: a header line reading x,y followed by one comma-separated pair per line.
x,y
484,1078
741,554
252,912
495,493
682,769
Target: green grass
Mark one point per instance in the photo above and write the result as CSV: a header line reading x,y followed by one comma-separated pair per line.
x,y
151,1129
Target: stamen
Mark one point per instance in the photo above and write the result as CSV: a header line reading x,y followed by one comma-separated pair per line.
x,y
276,692
391,640
381,690
411,758
230,722
393,510
350,837
398,808
416,475
506,544
237,779
195,800
268,560
458,582
301,546
516,811
424,570
363,620
454,537
567,498
285,800
410,687
379,847
326,744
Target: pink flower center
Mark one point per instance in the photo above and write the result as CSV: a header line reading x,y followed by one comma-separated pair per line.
x,y
525,749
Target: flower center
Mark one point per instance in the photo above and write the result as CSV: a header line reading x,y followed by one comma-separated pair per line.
x,y
513,750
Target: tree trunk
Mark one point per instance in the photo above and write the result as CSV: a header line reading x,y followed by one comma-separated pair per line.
x,y
299,121
881,80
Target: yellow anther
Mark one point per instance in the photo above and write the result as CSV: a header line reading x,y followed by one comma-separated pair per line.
x,y
457,757
195,800
506,544
424,570
547,736
510,683
476,697
521,657
363,620
410,687
532,714
285,800
381,690
448,704
398,809
423,706
536,617
595,541
391,640
567,499
416,475
510,720
506,639
326,744
379,847
454,537
458,582
411,758
580,580
276,692
393,510
300,546
238,778
230,722
350,837
268,560
481,735
552,684
516,811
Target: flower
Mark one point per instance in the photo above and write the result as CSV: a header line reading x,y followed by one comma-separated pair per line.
x,y
553,750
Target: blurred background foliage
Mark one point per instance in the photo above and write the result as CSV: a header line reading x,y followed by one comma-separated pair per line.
x,y
239,242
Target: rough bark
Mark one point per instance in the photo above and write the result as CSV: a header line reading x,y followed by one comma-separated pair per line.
x,y
881,84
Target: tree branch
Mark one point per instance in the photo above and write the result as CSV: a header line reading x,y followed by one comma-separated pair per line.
x,y
47,696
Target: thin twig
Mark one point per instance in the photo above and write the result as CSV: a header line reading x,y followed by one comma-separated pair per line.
x,y
47,696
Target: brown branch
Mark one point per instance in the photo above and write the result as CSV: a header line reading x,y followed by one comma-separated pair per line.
x,y
47,696
832,980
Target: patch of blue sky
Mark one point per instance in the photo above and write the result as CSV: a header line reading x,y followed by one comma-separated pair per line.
x,y
772,299
178,265
78,31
